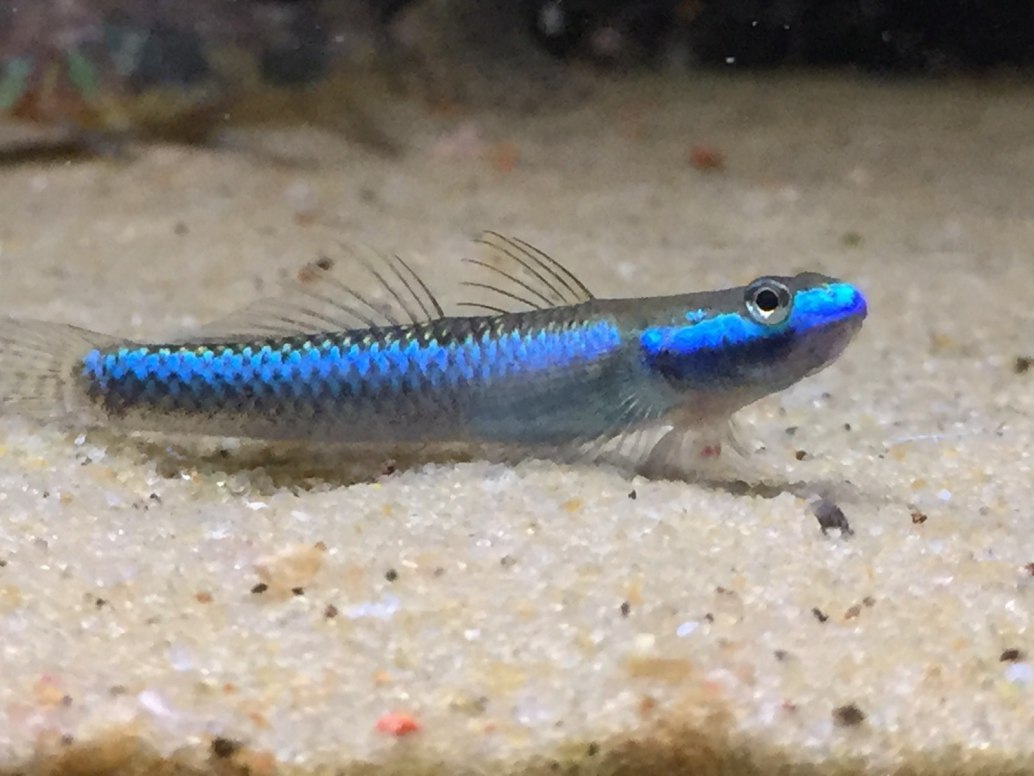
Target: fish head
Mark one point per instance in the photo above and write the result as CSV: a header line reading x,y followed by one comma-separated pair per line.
x,y
744,343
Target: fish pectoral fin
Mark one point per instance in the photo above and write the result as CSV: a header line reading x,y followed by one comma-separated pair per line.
x,y
511,275
713,451
325,296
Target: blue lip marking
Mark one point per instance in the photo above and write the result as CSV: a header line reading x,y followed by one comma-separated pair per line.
x,y
827,304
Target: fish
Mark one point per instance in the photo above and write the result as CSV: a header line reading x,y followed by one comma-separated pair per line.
x,y
532,362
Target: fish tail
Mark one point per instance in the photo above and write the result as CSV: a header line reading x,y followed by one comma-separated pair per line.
x,y
40,370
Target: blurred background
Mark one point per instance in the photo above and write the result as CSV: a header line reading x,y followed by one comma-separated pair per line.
x,y
90,74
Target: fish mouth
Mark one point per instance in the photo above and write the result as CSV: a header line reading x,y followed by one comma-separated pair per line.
x,y
826,339
824,344
858,309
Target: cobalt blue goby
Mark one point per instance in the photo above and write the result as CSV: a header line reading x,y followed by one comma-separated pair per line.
x,y
544,363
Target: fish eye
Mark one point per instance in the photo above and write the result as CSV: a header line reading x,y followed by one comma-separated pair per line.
x,y
768,301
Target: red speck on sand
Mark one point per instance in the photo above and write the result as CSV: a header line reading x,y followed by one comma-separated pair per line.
x,y
703,157
397,723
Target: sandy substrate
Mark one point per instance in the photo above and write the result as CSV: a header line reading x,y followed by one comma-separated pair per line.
x,y
206,613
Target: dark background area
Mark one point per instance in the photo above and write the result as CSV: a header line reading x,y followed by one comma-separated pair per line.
x,y
896,35
116,68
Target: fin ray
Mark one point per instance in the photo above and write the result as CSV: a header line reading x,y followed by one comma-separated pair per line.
x,y
323,297
521,273
436,310
515,280
501,292
38,367
579,293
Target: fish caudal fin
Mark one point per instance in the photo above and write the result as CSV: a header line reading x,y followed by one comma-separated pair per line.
x,y
39,369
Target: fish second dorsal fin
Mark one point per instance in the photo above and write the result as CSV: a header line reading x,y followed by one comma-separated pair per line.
x,y
515,275
324,296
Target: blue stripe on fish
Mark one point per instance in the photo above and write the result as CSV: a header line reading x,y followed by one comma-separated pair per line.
x,y
199,376
812,308
721,349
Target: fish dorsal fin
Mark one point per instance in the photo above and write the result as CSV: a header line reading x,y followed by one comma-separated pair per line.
x,y
514,275
324,296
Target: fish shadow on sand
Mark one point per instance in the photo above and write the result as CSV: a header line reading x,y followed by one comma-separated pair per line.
x,y
262,468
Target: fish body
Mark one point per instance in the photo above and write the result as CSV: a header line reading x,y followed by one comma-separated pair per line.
x,y
454,379
570,369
